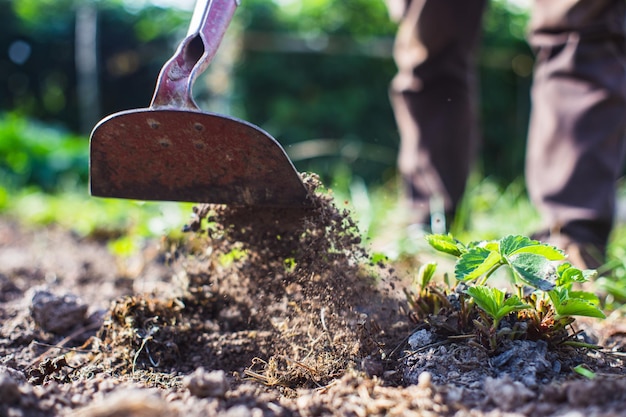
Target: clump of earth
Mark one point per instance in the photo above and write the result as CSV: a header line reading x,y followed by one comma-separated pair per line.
x,y
274,312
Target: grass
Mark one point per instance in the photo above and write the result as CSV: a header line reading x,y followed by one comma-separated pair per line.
x,y
125,224
86,215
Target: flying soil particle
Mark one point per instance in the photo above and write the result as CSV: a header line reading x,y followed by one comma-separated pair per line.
x,y
284,296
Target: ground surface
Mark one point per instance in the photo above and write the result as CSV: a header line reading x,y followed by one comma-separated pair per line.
x,y
274,314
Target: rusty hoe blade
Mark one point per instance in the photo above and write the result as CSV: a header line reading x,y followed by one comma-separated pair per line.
x,y
174,151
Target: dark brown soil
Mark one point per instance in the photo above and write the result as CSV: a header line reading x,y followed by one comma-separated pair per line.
x,y
260,313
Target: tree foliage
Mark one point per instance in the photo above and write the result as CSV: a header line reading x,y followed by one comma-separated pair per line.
x,y
314,73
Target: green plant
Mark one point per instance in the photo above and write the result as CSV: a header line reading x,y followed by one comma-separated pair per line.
x,y
544,302
612,282
497,306
33,154
430,299
583,371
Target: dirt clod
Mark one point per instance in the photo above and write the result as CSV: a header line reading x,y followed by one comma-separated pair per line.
x,y
130,403
507,394
204,384
57,313
9,389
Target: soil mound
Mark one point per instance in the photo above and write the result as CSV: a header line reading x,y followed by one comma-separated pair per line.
x,y
285,297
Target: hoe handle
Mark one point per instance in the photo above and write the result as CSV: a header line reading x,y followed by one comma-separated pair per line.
x,y
208,24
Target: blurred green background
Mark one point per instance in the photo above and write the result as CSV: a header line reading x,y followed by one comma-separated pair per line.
x,y
313,73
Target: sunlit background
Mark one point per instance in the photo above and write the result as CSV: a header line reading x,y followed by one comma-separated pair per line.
x,y
312,73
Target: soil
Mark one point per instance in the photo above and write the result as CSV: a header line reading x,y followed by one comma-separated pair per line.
x,y
262,313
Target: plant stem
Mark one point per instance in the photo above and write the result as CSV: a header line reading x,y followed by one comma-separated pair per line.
x,y
520,292
490,272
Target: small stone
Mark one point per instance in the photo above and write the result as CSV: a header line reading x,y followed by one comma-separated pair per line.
x,y
454,394
573,413
205,384
9,390
420,339
372,366
239,411
128,403
507,394
57,313
424,380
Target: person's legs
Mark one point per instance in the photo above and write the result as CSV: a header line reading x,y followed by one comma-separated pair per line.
x,y
576,142
433,97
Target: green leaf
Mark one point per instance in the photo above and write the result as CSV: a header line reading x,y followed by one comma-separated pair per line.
x,y
491,245
446,244
379,257
578,307
511,243
581,370
558,295
493,302
476,262
515,244
124,246
290,264
569,274
585,295
235,255
589,274
426,273
486,298
534,270
565,305
513,303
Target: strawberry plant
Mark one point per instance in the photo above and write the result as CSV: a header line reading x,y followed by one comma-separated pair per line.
x,y
494,306
543,302
430,299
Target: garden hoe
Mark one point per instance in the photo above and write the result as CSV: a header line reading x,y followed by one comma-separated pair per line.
x,y
174,151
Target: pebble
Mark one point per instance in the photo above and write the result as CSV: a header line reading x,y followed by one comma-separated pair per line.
x,y
57,313
420,338
507,394
9,390
424,380
205,384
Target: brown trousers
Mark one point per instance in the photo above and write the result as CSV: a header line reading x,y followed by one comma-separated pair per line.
x,y
577,134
